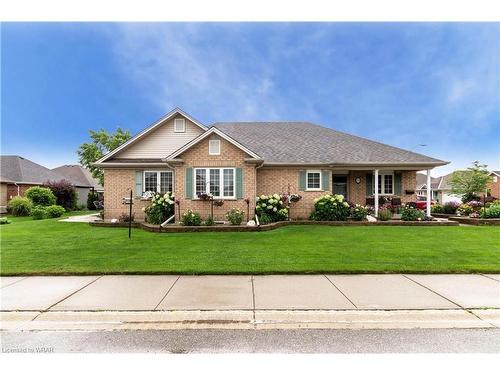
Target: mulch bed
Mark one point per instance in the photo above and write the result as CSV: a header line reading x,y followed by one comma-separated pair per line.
x,y
176,228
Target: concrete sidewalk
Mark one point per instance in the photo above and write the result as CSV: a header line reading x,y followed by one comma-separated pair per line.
x,y
355,301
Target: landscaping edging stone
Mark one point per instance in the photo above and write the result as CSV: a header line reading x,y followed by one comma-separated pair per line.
x,y
267,227
472,221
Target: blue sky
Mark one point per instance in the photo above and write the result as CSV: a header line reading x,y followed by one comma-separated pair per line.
x,y
409,84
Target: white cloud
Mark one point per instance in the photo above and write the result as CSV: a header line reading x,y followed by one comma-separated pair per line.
x,y
459,90
175,65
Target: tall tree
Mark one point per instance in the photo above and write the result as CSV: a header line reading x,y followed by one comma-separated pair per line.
x,y
101,143
471,182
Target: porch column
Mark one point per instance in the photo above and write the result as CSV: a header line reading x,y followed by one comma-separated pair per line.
x,y
428,205
376,192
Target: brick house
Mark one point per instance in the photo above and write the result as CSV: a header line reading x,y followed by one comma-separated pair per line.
x,y
493,187
18,174
241,160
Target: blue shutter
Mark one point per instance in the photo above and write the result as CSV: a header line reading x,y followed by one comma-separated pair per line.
x,y
369,184
325,180
302,180
189,183
239,183
397,183
138,184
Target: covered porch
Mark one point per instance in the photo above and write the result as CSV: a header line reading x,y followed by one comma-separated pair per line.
x,y
374,187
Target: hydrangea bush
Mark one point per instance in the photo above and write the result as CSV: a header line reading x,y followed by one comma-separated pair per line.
x,y
235,216
191,218
274,206
330,207
160,209
359,212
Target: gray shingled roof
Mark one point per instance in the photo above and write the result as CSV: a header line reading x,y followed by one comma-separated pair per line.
x,y
79,175
422,180
21,170
304,142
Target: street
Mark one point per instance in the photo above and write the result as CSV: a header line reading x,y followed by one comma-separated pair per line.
x,y
256,341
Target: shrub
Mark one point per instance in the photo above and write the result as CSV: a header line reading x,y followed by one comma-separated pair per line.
x,y
331,207
64,192
91,198
470,197
39,213
4,220
40,196
492,212
235,216
264,219
274,206
191,218
55,211
20,206
411,214
465,209
437,209
209,222
384,214
125,218
450,207
359,212
160,209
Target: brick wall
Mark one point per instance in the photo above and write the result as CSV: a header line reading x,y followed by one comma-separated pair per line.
x,y
117,185
494,187
283,179
12,190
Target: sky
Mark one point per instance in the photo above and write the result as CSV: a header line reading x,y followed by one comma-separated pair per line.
x,y
433,88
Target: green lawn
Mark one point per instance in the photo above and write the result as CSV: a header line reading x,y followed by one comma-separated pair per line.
x,y
52,247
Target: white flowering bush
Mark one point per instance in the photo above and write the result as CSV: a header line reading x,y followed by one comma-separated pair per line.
x,y
235,216
160,208
359,212
191,218
330,207
273,206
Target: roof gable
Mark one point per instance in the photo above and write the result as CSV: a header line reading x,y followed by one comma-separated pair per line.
x,y
149,130
201,137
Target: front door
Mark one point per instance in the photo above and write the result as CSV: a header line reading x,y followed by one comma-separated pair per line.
x,y
340,185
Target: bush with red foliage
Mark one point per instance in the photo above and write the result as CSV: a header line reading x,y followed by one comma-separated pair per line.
x,y
65,193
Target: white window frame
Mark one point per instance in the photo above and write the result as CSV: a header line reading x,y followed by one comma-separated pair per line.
x,y
221,182
308,172
183,125
495,179
158,179
382,183
212,142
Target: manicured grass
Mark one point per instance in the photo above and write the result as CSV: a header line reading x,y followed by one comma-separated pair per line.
x,y
52,247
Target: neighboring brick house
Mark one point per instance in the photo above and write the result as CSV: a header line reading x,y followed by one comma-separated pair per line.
x,y
240,160
493,187
18,174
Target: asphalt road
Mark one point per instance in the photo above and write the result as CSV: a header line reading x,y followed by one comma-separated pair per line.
x,y
257,341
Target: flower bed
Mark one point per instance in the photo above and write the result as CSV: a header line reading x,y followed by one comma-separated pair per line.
x,y
176,228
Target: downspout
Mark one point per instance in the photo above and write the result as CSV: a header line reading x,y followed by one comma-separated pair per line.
x,y
257,167
18,187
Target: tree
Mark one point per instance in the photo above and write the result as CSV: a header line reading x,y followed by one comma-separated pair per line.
x,y
102,143
471,182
